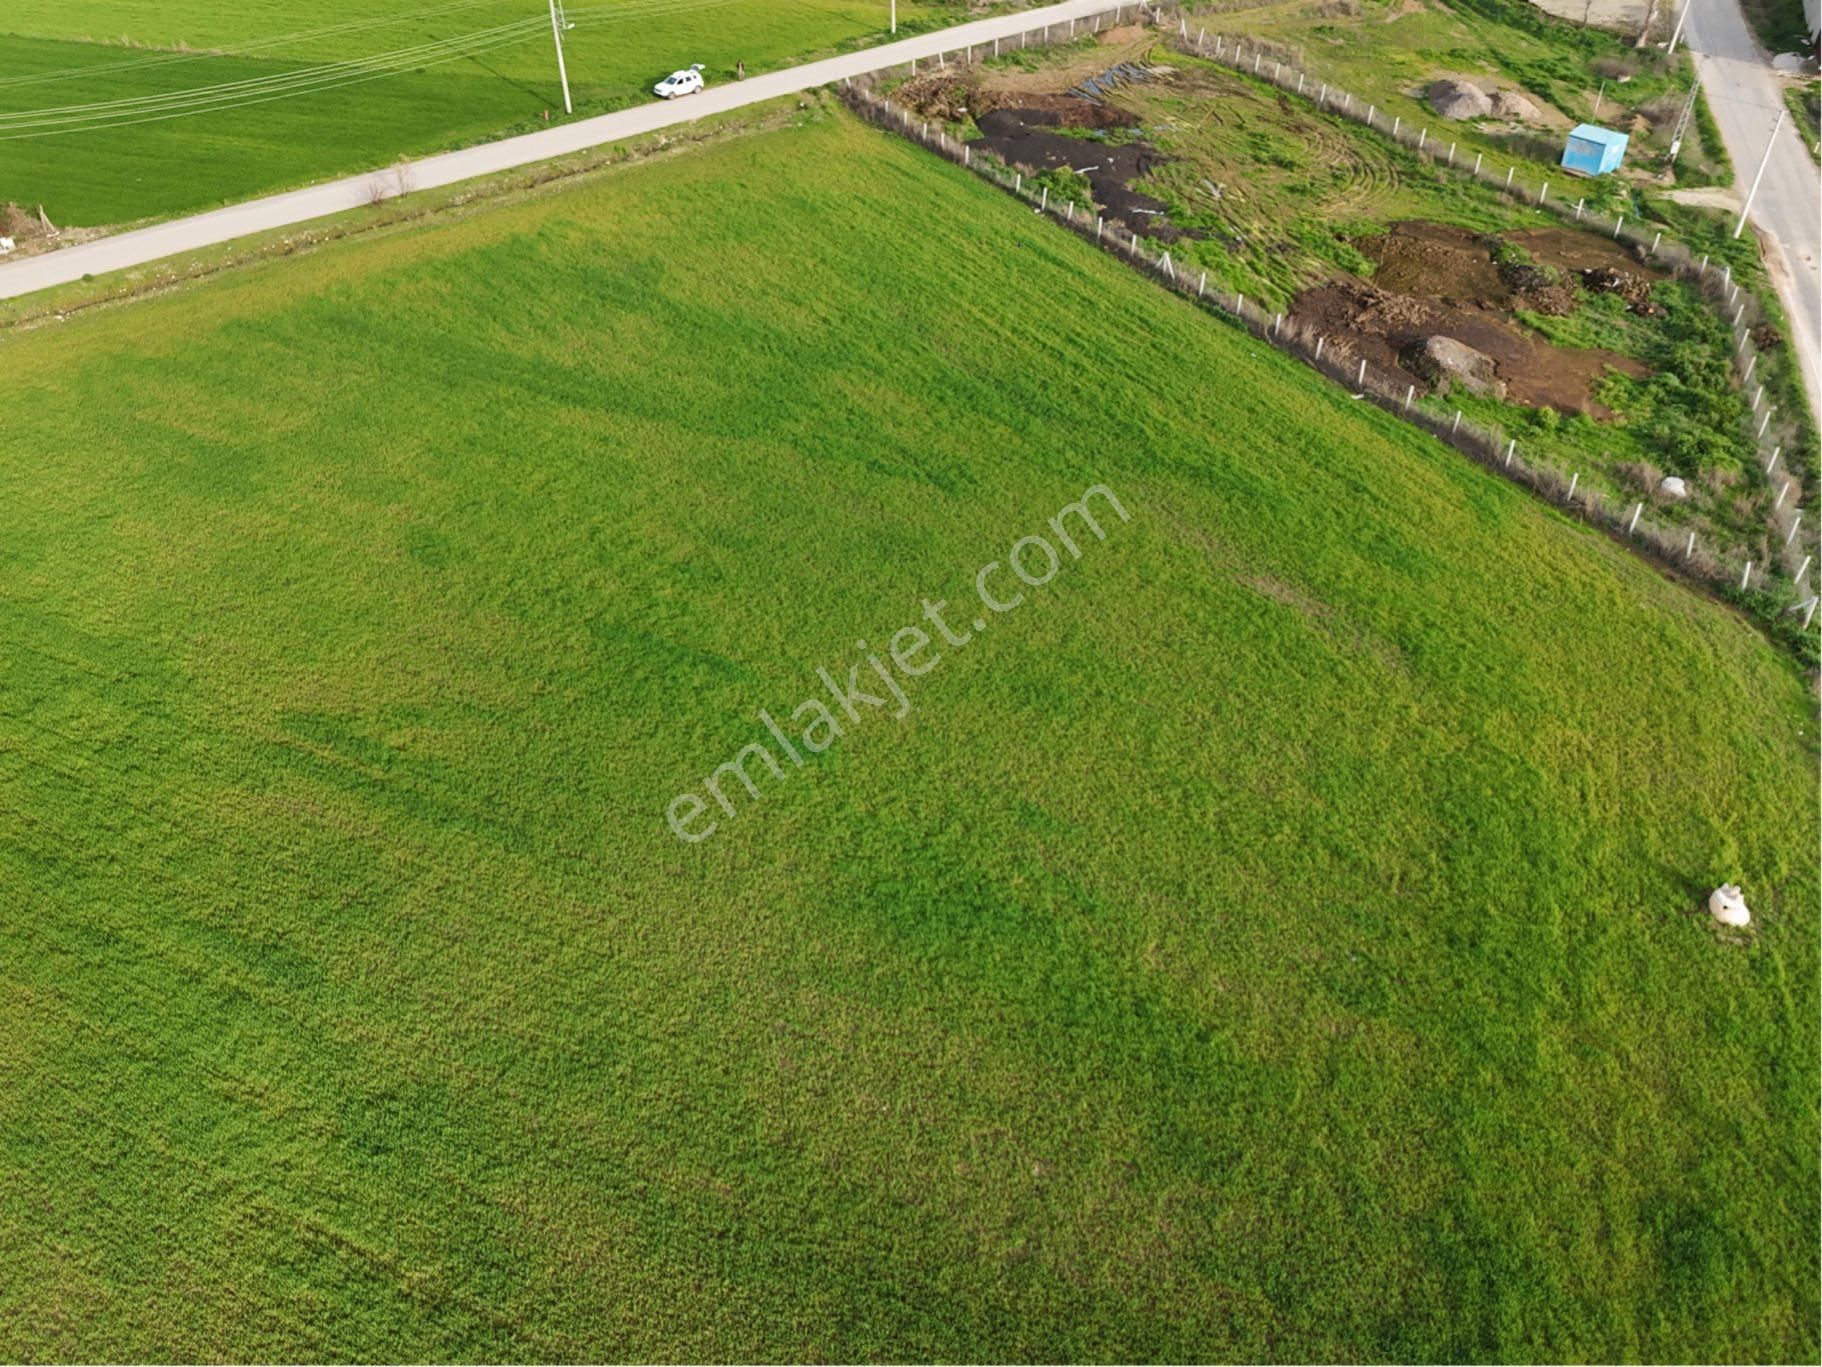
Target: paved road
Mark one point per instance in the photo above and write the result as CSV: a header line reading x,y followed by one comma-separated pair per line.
x,y
143,245
1745,95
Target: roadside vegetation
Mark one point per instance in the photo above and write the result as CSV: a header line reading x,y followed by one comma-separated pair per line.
x,y
1282,940
1780,24
1805,103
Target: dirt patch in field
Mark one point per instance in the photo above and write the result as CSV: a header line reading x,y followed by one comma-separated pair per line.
x,y
1023,138
1439,281
1128,33
1570,250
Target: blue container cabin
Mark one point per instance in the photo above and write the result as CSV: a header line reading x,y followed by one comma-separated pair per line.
x,y
1594,151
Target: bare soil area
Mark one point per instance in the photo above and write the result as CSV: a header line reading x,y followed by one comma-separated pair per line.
x,y
1439,281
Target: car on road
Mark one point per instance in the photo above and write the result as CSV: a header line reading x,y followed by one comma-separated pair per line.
x,y
680,83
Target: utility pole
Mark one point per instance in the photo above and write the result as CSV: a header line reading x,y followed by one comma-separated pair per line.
x,y
557,26
1682,120
1764,161
895,16
1677,32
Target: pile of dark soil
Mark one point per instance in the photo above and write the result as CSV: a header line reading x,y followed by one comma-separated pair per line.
x,y
1540,289
1020,137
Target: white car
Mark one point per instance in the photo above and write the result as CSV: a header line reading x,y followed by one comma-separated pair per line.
x,y
680,83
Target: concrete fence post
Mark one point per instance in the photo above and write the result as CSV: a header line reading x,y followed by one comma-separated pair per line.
x,y
1689,550
1455,426
1632,526
1773,461
1409,394
1656,238
1509,171
1745,575
1477,157
1510,447
1802,570
1791,535
1202,285
1782,495
1360,379
1573,480
1764,423
1319,342
1544,193
1618,223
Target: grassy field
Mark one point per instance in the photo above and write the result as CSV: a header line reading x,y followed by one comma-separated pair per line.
x,y
1390,51
1280,938
277,124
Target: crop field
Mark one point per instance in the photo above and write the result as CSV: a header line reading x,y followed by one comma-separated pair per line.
x,y
1281,937
118,110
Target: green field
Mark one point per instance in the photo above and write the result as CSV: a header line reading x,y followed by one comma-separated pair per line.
x,y
1390,51
1279,938
280,120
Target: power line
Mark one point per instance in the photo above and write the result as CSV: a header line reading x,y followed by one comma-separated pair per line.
x,y
128,112
236,49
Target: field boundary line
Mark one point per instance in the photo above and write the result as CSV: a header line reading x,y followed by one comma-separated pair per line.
x,y
1765,595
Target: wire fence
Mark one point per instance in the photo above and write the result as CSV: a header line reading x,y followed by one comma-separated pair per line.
x,y
1777,574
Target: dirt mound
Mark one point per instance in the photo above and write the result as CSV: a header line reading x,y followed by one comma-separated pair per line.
x,y
1539,289
938,95
1459,100
1634,290
1509,104
1130,33
1021,140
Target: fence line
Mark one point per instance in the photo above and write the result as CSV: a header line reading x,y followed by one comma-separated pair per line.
x,y
1673,548
1739,310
